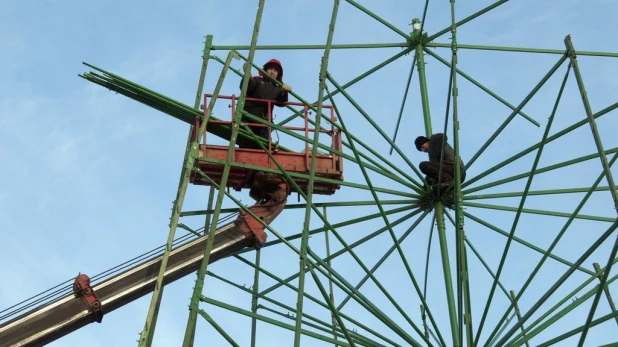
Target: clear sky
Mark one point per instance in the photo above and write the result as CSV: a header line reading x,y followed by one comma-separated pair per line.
x,y
89,176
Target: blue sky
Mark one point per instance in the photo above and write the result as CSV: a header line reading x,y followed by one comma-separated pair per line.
x,y
89,176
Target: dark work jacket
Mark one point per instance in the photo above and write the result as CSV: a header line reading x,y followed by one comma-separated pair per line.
x,y
262,88
435,151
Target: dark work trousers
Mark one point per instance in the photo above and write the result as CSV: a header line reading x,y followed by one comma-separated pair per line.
x,y
432,170
259,131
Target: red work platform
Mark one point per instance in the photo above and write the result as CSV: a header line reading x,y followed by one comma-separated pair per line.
x,y
327,165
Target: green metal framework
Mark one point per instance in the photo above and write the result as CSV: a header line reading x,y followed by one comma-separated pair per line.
x,y
327,305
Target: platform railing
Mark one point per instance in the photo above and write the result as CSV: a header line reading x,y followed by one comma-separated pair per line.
x,y
334,132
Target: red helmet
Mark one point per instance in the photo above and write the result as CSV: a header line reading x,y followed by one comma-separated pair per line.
x,y
277,65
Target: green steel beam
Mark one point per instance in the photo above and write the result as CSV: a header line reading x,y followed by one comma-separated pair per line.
x,y
422,78
540,212
593,124
346,286
533,147
518,314
608,295
533,192
521,49
271,321
192,319
217,327
508,120
375,125
539,171
525,243
562,279
353,245
403,102
386,221
315,300
520,208
376,17
599,292
482,87
304,245
330,277
446,270
199,284
254,297
466,20
579,330
575,302
317,46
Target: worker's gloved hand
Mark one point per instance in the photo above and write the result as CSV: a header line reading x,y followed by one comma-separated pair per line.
x,y
286,87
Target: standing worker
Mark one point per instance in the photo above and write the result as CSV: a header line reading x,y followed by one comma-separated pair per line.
x,y
261,87
433,147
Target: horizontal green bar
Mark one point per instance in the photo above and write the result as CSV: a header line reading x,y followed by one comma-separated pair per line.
x,y
303,176
525,243
541,212
533,192
521,49
270,320
318,46
320,204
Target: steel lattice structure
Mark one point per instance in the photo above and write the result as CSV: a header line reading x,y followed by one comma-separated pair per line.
x,y
365,254
462,321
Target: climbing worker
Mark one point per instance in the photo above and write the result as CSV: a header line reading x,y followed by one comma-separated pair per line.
x,y
262,87
433,147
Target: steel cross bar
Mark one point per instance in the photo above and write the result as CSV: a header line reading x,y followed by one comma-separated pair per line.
x,y
199,284
608,295
599,292
317,46
375,125
353,245
533,192
479,85
255,295
527,244
330,277
522,49
562,279
345,286
521,207
309,195
463,285
593,124
558,237
286,284
218,328
374,309
403,102
466,20
575,303
508,120
374,16
271,321
533,147
578,330
397,244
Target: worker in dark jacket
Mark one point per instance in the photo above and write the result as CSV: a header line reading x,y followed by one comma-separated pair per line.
x,y
261,87
433,147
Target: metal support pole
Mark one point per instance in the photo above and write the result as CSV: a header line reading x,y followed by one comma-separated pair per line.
x,y
310,184
518,314
608,295
199,284
254,301
151,319
593,124
448,281
330,278
422,78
